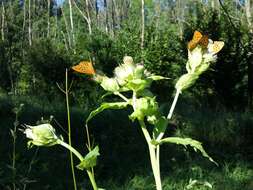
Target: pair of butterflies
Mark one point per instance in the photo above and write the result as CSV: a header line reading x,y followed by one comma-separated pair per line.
x,y
198,39
86,67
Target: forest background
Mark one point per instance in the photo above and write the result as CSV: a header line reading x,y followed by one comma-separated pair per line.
x,y
39,39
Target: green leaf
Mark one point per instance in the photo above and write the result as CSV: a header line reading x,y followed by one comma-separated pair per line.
x,y
90,160
186,81
157,77
138,84
196,145
110,84
145,106
106,94
160,126
107,105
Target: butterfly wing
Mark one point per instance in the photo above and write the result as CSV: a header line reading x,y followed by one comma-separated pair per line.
x,y
84,67
204,41
215,47
197,36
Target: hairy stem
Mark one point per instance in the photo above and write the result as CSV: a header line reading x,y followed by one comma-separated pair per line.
x,y
152,150
153,157
173,105
80,157
71,149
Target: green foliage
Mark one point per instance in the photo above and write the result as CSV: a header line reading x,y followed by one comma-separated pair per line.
x,y
106,105
90,160
196,145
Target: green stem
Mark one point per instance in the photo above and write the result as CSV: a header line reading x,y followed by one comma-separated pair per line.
x,y
88,143
172,108
173,105
80,157
69,129
92,180
153,157
121,95
71,149
152,149
158,159
14,151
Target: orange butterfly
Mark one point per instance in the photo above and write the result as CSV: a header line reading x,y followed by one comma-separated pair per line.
x,y
84,67
198,39
215,46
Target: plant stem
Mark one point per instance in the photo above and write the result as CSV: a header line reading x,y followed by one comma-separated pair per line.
x,y
173,104
121,95
69,129
88,143
14,135
172,108
71,149
92,179
80,157
153,158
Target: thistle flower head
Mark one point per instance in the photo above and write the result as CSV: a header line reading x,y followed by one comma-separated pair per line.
x,y
41,135
125,71
201,53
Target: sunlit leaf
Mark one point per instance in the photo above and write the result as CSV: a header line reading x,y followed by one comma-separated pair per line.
x,y
157,77
196,145
90,160
106,105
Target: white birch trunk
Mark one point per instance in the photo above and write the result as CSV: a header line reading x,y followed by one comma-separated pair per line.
x,y
29,23
3,21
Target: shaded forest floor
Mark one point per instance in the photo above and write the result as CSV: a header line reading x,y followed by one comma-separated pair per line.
x,y
123,163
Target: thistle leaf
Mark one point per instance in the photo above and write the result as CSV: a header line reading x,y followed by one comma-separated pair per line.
x,y
157,77
196,145
107,105
90,160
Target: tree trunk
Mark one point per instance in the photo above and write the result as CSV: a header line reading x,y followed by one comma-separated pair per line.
x,y
3,21
67,29
106,16
29,23
48,18
71,23
250,58
88,16
142,30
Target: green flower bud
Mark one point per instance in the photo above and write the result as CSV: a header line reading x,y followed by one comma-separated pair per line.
x,y
144,107
41,135
202,68
110,84
186,81
138,84
139,71
194,59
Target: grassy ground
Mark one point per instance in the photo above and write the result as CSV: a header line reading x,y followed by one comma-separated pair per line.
x,y
123,164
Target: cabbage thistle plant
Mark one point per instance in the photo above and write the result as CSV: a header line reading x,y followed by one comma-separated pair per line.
x,y
45,135
136,80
